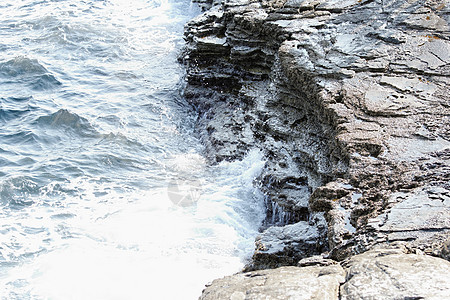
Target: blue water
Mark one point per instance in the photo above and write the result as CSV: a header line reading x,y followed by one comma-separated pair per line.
x,y
104,191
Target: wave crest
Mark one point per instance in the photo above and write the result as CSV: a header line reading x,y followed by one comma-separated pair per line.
x,y
63,119
25,70
20,66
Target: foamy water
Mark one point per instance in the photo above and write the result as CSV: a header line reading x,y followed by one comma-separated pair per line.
x,y
104,191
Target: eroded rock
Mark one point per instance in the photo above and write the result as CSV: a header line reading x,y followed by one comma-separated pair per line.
x,y
321,283
349,102
286,245
381,273
392,274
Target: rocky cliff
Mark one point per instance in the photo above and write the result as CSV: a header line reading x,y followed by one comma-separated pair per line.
x,y
349,102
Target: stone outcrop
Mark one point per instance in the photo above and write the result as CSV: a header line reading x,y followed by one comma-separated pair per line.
x,y
320,283
392,274
376,274
286,245
349,101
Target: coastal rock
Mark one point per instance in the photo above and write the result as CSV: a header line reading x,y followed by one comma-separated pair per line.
x,y
286,245
348,101
381,273
317,260
420,218
392,274
321,283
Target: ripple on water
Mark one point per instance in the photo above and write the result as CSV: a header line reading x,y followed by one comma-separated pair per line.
x,y
9,114
92,130
67,121
28,71
22,137
16,192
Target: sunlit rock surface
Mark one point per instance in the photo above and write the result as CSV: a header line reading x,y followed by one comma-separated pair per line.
x,y
375,274
392,274
320,283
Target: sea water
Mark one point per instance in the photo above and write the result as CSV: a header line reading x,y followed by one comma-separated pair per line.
x,y
104,191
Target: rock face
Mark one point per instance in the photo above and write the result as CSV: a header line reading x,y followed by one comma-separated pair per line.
x,y
376,274
349,101
391,274
320,283
286,245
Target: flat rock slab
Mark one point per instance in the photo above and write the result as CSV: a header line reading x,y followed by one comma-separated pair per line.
x,y
313,282
391,274
418,211
417,216
381,273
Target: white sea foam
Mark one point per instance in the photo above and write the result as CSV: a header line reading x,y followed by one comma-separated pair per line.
x,y
141,245
104,193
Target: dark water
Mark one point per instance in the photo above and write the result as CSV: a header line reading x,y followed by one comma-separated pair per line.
x,y
104,193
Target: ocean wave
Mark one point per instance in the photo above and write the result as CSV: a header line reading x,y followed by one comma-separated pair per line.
x,y
23,137
67,121
41,187
102,163
14,108
19,99
22,66
9,114
119,139
28,71
45,82
82,38
6,162
17,192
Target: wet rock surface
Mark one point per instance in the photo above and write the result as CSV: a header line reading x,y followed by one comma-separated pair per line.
x,y
349,101
286,245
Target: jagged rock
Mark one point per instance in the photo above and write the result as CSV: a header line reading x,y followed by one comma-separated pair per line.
x,y
325,197
314,282
286,245
421,218
381,273
392,274
348,101
316,261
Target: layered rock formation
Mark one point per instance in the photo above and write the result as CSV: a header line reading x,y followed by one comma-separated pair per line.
x,y
349,102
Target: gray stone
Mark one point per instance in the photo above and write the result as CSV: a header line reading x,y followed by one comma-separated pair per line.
x,y
427,21
421,219
320,283
409,84
381,102
416,212
348,101
286,245
317,260
392,274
